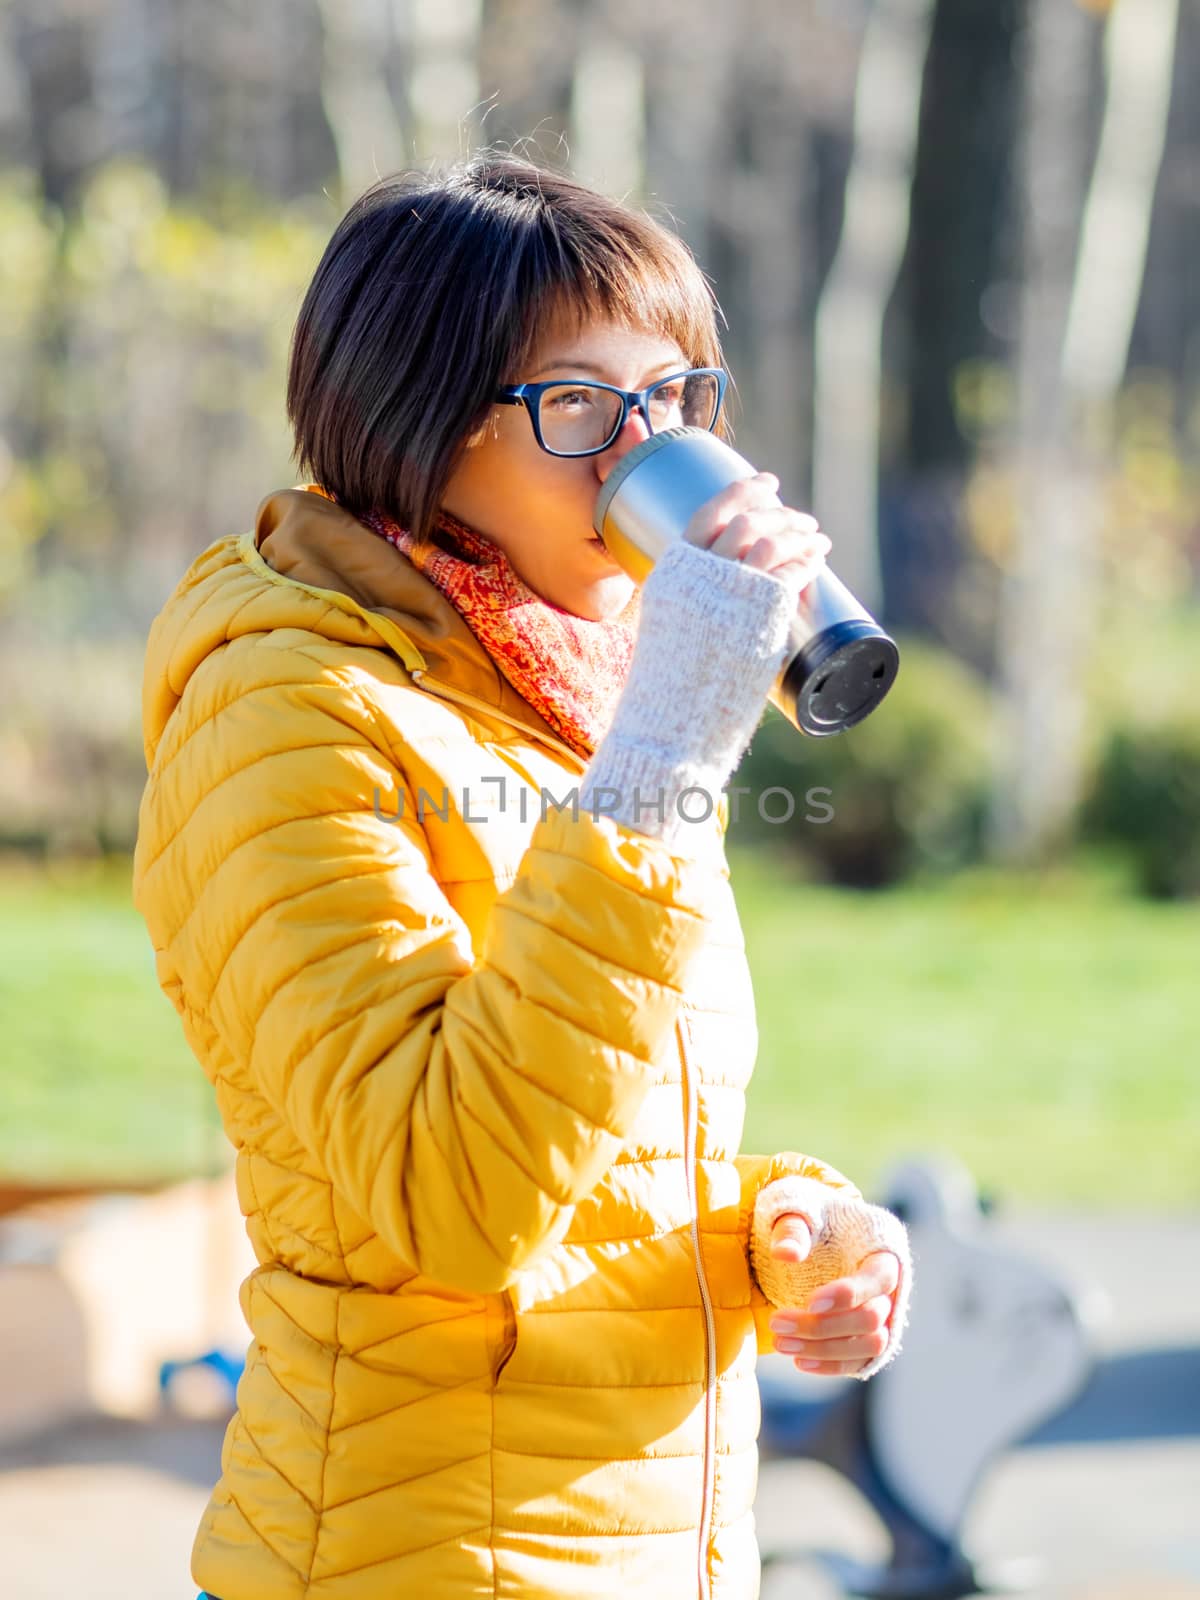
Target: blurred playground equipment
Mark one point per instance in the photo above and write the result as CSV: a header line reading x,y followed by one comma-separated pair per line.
x,y
1001,1353
125,1304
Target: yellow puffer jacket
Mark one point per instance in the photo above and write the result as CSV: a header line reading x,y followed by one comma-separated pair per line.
x,y
484,1072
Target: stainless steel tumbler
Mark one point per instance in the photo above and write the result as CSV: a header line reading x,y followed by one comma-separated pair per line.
x,y
839,662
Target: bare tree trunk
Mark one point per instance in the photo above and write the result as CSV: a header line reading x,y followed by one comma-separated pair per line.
x,y
770,210
847,354
1139,58
20,371
527,51
1037,644
362,119
689,81
444,83
16,132
269,56
608,128
1074,345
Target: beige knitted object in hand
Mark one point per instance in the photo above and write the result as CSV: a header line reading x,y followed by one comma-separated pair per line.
x,y
845,1231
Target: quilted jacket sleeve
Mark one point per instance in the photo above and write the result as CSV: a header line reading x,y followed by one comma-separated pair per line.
x,y
461,1100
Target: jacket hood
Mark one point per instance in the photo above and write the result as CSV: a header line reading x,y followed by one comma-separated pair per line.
x,y
306,537
310,564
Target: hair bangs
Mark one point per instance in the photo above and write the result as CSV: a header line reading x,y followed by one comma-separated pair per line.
x,y
634,273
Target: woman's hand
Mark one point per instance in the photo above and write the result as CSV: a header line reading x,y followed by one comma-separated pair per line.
x,y
746,522
851,1331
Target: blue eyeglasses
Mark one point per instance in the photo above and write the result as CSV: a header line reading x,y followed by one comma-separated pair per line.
x,y
582,418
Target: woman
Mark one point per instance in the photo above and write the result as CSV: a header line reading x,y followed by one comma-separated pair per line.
x,y
481,1043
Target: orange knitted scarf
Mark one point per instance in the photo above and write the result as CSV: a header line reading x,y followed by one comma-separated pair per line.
x,y
569,668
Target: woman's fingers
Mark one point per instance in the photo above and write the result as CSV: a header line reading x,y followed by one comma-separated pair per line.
x,y
745,522
797,572
831,1369
709,520
865,1348
791,1238
770,538
756,498
773,523
819,1326
850,1330
878,1273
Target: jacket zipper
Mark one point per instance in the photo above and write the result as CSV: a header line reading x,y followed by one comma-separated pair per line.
x,y
690,1131
507,1345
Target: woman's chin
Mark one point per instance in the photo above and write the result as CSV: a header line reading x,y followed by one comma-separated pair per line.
x,y
603,598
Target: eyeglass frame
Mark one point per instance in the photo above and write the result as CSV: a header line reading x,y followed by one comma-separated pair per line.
x,y
529,395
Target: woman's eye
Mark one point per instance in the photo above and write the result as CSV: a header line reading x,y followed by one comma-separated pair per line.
x,y
568,399
668,397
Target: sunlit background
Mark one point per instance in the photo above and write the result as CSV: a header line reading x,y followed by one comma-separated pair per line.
x,y
955,244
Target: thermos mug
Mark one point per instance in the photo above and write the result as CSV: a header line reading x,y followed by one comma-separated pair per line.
x,y
839,662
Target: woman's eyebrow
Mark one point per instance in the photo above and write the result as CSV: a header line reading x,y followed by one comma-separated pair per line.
x,y
576,364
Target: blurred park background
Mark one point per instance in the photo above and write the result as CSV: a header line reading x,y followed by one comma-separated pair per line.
x,y
956,249
955,244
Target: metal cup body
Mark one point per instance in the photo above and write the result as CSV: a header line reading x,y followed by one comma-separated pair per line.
x,y
839,662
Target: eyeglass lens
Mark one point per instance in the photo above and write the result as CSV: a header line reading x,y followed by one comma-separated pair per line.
x,y
575,417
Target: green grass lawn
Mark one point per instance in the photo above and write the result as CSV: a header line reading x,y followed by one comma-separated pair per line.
x,y
1045,1033
97,1080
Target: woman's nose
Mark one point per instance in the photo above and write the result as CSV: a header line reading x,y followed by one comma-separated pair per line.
x,y
630,436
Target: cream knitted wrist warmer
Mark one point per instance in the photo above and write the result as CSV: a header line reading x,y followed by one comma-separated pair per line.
x,y
710,643
844,1232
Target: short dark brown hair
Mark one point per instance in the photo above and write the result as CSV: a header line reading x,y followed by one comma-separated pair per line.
x,y
434,289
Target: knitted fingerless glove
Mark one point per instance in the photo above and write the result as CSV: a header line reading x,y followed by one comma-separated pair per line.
x,y
710,643
844,1232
